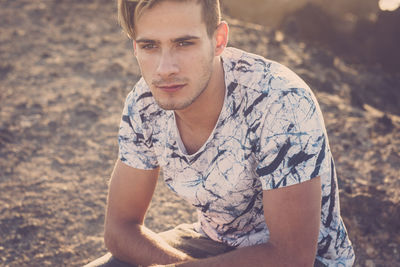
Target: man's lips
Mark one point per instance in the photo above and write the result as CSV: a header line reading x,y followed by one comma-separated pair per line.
x,y
170,87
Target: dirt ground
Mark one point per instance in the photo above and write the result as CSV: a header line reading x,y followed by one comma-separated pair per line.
x,y
65,69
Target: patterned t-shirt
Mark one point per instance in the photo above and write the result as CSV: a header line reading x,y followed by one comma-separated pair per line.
x,y
270,134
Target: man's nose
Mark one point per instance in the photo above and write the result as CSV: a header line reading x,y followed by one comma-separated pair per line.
x,y
167,64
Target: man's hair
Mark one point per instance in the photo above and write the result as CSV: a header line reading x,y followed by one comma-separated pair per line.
x,y
129,11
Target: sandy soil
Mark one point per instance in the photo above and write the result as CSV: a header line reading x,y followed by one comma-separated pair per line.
x,y
65,68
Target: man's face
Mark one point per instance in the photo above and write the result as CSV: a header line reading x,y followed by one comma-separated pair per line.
x,y
174,53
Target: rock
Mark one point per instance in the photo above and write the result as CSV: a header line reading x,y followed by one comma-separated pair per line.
x,y
384,124
369,263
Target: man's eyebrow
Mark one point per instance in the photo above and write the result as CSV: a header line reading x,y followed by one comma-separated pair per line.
x,y
185,38
145,41
176,40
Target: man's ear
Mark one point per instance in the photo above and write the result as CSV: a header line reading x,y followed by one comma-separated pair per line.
x,y
221,37
134,48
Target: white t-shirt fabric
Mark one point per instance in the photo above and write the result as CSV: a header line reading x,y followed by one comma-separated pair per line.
x,y
270,134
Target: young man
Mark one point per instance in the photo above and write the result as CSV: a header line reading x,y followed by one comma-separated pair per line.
x,y
238,136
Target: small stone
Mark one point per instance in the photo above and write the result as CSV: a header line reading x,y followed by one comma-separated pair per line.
x,y
370,251
369,263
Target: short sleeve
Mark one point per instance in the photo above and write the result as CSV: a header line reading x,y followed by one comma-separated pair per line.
x,y
134,138
293,142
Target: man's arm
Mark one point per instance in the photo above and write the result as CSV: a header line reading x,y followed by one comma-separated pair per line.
x,y
129,196
293,217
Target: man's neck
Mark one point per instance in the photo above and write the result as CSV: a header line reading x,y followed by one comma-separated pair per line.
x,y
204,112
197,122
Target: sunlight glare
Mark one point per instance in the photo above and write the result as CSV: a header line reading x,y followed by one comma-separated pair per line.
x,y
389,5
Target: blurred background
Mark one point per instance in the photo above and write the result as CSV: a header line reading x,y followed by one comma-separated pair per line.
x,y
361,31
66,67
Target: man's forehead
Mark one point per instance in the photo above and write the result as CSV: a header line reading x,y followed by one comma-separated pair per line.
x,y
170,20
194,7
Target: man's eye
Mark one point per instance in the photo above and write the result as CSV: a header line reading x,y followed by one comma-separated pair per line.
x,y
148,46
184,43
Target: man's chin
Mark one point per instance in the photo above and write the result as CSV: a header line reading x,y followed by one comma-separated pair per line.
x,y
173,106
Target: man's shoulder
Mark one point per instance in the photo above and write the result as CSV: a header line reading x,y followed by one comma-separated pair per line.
x,y
259,73
262,82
